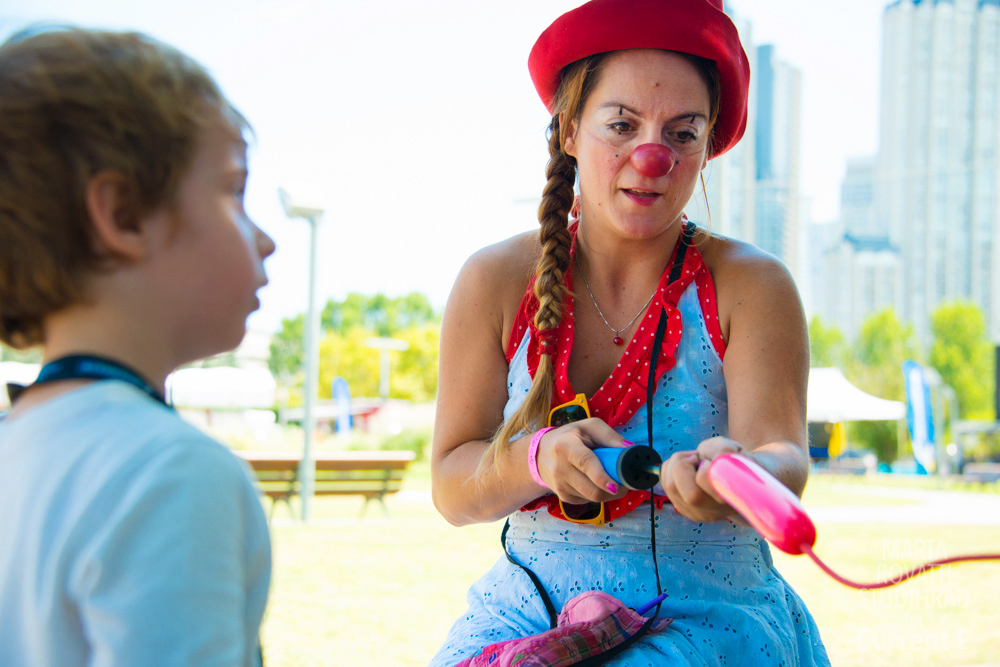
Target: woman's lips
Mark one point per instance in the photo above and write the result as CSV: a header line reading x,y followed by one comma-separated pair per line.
x,y
641,197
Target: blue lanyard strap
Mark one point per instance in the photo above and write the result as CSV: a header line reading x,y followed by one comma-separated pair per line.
x,y
89,367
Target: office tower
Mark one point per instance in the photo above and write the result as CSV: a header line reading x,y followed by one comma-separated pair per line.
x,y
753,190
730,180
857,200
855,268
937,175
777,129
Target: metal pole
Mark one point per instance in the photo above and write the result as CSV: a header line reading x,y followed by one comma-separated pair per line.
x,y
307,467
384,345
996,385
383,384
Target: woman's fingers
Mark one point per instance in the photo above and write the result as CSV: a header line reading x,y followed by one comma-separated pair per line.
x,y
583,478
678,477
680,480
571,469
712,447
596,433
708,450
577,488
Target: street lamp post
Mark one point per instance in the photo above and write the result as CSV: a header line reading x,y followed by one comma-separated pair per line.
x,y
307,467
385,345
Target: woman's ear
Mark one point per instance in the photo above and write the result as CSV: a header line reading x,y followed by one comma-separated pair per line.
x,y
569,143
113,221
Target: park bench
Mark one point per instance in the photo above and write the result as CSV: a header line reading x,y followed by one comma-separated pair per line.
x,y
373,475
985,473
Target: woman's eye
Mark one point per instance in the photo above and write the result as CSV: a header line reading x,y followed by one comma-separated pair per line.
x,y
620,126
686,137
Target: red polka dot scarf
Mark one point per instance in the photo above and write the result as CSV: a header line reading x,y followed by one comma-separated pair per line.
x,y
624,392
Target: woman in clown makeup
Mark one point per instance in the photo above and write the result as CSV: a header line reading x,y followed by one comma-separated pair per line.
x,y
550,340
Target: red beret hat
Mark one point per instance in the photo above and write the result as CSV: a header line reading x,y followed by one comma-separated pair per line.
x,y
697,27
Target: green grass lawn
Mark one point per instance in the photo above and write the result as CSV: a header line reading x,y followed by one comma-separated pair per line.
x,y
833,492
384,591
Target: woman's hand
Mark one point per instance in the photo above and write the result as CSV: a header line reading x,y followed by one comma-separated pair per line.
x,y
684,477
569,467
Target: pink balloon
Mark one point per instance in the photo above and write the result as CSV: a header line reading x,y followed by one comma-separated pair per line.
x,y
653,160
770,507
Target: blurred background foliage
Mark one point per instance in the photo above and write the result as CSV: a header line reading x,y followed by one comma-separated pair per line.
x,y
959,351
345,326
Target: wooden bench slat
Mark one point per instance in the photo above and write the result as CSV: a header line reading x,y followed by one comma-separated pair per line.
x,y
367,474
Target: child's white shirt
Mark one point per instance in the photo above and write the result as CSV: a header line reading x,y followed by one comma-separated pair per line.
x,y
127,537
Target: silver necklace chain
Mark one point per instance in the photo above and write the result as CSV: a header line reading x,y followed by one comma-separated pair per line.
x,y
618,332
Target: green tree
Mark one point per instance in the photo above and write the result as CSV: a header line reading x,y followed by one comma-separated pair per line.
x,y
827,347
379,314
345,325
962,354
883,344
32,355
286,357
346,355
413,374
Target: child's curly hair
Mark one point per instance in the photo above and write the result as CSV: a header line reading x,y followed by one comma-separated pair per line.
x,y
73,103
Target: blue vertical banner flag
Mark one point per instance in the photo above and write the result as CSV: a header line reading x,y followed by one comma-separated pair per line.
x,y
341,394
919,415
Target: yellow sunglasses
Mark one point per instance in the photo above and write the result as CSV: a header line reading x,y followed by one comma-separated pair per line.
x,y
574,411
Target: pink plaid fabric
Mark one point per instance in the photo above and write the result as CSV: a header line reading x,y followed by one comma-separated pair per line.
x,y
589,624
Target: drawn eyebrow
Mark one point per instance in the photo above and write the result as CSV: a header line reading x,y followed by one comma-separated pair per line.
x,y
681,116
612,105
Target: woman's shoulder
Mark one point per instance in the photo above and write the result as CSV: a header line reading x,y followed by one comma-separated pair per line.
x,y
739,265
492,282
748,280
500,271
508,260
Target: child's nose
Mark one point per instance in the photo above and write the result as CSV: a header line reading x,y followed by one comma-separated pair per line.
x,y
653,160
265,244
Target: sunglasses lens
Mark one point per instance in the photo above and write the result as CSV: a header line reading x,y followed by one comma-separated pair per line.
x,y
585,512
567,415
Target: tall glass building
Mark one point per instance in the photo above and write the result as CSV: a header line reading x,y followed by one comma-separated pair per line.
x,y
777,129
753,190
937,178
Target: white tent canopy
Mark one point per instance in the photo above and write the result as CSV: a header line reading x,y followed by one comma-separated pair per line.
x,y
16,373
222,387
832,398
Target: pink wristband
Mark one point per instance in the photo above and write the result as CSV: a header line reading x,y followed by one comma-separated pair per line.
x,y
533,456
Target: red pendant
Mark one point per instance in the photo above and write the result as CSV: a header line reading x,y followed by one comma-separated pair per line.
x,y
618,340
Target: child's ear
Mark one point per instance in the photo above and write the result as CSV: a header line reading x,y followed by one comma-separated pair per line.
x,y
116,231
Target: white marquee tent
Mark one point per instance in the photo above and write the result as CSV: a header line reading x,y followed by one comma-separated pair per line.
x,y
219,388
832,398
16,373
222,388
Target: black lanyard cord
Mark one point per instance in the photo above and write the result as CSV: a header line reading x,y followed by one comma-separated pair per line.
x,y
661,327
88,367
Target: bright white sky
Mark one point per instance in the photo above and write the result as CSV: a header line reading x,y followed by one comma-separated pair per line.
x,y
415,124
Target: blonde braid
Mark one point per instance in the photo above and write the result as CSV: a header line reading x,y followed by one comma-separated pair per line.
x,y
555,239
578,80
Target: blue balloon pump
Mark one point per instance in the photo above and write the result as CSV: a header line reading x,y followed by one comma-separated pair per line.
x,y
636,467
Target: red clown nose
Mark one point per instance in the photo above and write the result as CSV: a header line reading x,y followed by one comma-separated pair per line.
x,y
653,160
